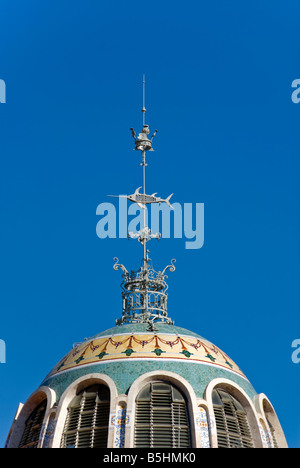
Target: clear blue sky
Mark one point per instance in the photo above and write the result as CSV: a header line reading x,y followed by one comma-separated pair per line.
x,y
219,80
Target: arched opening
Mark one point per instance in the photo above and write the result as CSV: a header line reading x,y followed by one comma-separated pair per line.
x,y
161,418
87,419
33,426
233,429
273,436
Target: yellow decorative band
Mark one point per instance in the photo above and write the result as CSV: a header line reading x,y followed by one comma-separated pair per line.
x,y
140,346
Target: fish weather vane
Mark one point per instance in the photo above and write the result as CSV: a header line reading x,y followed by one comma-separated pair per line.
x,y
144,291
141,199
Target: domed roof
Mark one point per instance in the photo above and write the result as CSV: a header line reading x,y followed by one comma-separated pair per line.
x,y
127,351
134,342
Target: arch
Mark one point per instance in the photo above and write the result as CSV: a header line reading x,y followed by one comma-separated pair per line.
x,y
161,417
87,422
240,402
170,377
32,403
70,393
33,427
271,421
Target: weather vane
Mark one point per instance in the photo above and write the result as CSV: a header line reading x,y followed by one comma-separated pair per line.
x,y
144,291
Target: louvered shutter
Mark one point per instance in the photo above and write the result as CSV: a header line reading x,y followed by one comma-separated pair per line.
x,y
87,421
233,430
33,426
161,417
143,418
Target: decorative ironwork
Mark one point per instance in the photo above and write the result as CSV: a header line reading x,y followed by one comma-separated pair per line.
x,y
144,294
144,291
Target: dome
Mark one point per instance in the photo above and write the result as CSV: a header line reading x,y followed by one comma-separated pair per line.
x,y
139,386
146,383
128,351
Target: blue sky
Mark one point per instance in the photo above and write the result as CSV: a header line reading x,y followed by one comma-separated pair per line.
x,y
218,90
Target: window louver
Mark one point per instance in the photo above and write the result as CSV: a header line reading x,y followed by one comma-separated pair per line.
x,y
233,429
87,420
33,426
161,417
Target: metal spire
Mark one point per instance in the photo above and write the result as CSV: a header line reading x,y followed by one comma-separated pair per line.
x,y
144,168
143,144
144,291
144,108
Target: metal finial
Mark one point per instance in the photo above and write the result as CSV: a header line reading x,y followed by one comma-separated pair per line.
x,y
144,291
